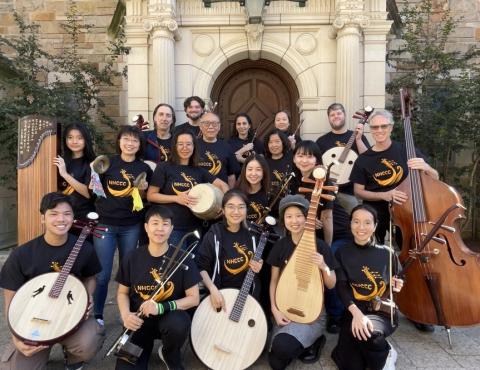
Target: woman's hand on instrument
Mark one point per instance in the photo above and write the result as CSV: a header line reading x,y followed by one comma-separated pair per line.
x,y
292,140
362,327
149,308
60,163
397,284
186,200
396,196
318,224
26,349
217,300
418,164
245,148
359,131
132,322
318,259
279,317
143,185
256,266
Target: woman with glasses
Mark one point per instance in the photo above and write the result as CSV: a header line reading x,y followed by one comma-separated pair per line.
x,y
172,181
226,252
119,211
378,171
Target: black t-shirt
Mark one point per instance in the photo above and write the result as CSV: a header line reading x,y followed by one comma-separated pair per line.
x,y
36,257
117,208
236,143
332,140
364,271
256,205
280,169
235,250
141,272
187,127
79,169
381,171
218,158
283,249
173,179
156,149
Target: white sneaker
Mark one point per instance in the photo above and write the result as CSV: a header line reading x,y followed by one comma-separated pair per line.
x,y
160,354
391,359
101,322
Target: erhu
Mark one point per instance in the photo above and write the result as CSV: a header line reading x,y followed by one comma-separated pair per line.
x,y
123,347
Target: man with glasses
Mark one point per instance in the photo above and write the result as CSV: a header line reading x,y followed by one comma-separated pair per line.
x,y
379,170
216,156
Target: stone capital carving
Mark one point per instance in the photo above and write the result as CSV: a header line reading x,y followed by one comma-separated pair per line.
x,y
166,25
350,13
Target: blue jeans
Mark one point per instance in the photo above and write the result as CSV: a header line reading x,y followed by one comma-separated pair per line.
x,y
333,304
126,237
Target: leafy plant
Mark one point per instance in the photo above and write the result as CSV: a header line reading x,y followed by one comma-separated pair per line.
x,y
64,86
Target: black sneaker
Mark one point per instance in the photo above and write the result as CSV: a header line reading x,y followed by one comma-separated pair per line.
x,y
426,328
312,353
333,324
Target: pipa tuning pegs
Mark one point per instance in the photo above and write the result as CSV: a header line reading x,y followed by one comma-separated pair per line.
x,y
305,190
308,181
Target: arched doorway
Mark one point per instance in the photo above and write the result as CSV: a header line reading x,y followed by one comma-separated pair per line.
x,y
259,88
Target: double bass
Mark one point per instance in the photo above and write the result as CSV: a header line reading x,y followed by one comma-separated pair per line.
x,y
442,275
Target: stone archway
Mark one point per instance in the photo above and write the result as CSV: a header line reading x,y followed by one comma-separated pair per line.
x,y
259,88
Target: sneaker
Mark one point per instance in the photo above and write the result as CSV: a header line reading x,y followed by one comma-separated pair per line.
x,y
160,354
427,328
391,359
101,322
311,354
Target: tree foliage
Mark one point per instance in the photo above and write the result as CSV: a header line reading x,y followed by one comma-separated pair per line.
x,y
62,85
445,87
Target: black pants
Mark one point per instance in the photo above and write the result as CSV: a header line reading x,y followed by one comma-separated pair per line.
x,y
353,354
285,348
172,328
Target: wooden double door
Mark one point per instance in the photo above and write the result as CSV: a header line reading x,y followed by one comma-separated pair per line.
x,y
259,88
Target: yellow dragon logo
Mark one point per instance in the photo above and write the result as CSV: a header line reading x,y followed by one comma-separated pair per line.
x,y
190,180
278,175
246,256
68,190
56,266
163,294
258,209
164,153
395,170
125,192
216,164
376,290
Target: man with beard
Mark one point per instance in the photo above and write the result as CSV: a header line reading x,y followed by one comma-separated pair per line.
x,y
339,137
194,108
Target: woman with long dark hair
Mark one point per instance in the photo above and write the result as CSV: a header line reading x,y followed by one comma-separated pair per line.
x,y
159,141
74,168
243,141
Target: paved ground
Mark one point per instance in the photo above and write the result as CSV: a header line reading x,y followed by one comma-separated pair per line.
x,y
416,350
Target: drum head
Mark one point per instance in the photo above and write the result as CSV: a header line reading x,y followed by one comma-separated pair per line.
x,y
206,197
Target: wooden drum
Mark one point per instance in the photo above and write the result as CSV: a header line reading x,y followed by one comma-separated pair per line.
x,y
209,201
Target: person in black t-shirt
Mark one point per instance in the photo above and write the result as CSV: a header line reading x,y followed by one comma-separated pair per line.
x,y
282,122
339,137
227,249
364,277
74,168
172,181
116,210
44,254
242,141
279,159
216,156
378,171
194,108
292,340
164,316
159,141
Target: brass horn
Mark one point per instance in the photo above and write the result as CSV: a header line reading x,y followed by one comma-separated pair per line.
x,y
101,164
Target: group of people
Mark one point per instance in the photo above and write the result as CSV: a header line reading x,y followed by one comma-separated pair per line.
x,y
251,174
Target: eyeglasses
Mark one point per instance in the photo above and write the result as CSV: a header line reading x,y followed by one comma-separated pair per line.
x,y
210,123
231,207
380,127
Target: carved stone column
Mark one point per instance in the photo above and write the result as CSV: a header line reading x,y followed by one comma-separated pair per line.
x,y
163,59
137,40
348,25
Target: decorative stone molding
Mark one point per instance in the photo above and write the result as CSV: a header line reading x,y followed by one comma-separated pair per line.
x,y
167,24
158,7
254,39
203,45
306,44
350,13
